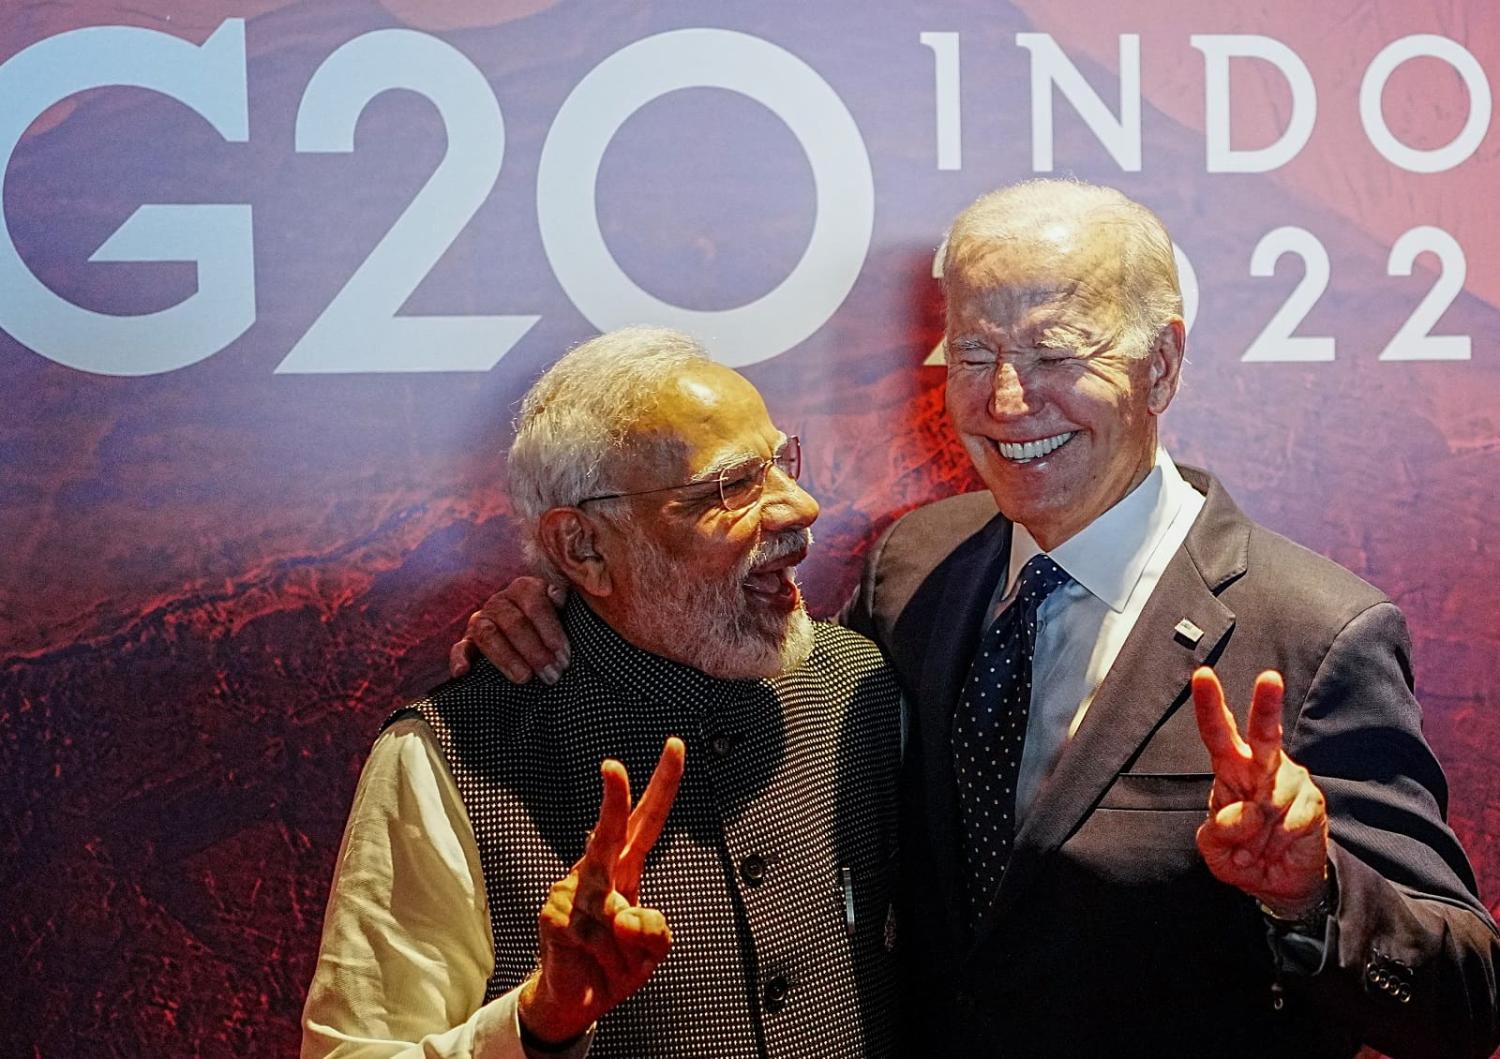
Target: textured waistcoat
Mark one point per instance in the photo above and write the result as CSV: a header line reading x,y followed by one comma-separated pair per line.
x,y
774,871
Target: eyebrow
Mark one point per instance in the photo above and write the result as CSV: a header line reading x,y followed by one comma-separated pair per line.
x,y
731,460
1065,335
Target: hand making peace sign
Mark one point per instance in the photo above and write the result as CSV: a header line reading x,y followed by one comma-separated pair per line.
x,y
597,946
1267,826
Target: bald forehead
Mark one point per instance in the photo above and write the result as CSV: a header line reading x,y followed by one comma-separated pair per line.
x,y
1095,242
701,413
1082,266
697,396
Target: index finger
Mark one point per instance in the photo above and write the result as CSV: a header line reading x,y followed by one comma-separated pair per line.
x,y
596,869
1263,727
650,816
1216,724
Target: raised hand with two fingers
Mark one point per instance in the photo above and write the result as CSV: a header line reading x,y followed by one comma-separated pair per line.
x,y
1267,826
597,946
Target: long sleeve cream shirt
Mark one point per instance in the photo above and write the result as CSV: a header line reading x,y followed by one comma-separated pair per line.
x,y
407,948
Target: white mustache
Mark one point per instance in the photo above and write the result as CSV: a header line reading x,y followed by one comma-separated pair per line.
x,y
788,542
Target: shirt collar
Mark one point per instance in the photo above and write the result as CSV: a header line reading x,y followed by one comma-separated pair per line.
x,y
1108,555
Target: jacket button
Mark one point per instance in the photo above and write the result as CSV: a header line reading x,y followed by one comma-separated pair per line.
x,y
721,744
775,995
753,869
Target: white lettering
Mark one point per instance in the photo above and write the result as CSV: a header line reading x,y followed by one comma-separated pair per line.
x,y
715,58
1218,50
1372,114
1120,136
210,79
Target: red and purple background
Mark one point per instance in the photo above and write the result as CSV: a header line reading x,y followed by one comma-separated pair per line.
x,y
216,577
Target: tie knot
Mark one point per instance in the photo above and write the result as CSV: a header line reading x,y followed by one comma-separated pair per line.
x,y
1039,578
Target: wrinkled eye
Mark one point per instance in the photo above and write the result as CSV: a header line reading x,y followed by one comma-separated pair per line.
x,y
741,486
972,356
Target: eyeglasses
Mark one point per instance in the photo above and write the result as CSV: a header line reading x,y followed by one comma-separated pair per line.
x,y
740,485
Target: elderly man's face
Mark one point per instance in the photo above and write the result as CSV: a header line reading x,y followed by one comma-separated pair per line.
x,y
1057,417
707,586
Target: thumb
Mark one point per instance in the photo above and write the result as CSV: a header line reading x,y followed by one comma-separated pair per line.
x,y
643,931
1238,823
558,594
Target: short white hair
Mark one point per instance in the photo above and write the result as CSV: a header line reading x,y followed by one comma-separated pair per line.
x,y
575,422
1150,299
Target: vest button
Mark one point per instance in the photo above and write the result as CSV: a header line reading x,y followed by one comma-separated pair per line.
x,y
721,744
753,870
775,995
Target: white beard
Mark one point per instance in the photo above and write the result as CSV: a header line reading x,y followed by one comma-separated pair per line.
x,y
713,626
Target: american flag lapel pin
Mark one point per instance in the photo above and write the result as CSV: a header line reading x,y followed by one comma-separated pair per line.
x,y
1188,633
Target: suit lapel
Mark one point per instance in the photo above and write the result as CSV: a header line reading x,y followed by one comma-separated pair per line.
x,y
970,576
1149,678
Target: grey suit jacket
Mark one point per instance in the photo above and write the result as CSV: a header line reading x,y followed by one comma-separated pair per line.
x,y
1108,935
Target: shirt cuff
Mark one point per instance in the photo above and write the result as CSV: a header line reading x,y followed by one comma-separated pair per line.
x,y
1299,954
497,1033
1302,954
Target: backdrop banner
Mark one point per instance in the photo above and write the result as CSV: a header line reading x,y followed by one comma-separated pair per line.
x,y
274,275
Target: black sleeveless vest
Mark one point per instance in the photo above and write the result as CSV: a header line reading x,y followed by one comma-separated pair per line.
x,y
776,867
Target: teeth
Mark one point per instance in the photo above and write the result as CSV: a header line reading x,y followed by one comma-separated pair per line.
x,y
1030,450
768,581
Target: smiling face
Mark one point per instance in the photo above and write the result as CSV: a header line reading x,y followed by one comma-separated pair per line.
x,y
1052,405
688,579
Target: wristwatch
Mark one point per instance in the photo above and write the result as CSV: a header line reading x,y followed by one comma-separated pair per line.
x,y
1311,923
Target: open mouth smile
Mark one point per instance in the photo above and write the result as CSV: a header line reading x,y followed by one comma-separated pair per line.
x,y
1026,451
774,581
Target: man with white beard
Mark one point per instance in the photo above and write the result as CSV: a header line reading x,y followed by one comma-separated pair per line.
x,y
742,907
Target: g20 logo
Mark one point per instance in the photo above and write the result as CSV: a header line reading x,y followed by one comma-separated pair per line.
x,y
360,330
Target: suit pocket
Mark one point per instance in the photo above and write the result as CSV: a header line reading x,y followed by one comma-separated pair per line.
x,y
1159,791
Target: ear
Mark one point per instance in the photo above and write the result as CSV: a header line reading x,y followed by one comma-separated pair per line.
x,y
1165,366
570,540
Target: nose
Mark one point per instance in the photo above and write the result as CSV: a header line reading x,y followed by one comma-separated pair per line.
x,y
785,504
1009,397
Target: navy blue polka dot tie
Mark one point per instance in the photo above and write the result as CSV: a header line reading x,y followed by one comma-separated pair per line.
x,y
990,728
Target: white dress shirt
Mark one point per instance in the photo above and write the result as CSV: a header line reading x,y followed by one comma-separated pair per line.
x,y
407,949
1114,562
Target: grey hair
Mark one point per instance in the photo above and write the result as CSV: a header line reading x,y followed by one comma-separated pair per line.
x,y
576,420
1150,299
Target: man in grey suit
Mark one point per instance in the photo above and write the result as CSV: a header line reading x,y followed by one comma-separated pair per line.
x,y
1066,892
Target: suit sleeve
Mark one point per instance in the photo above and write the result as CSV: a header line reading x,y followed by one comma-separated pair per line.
x,y
1415,951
